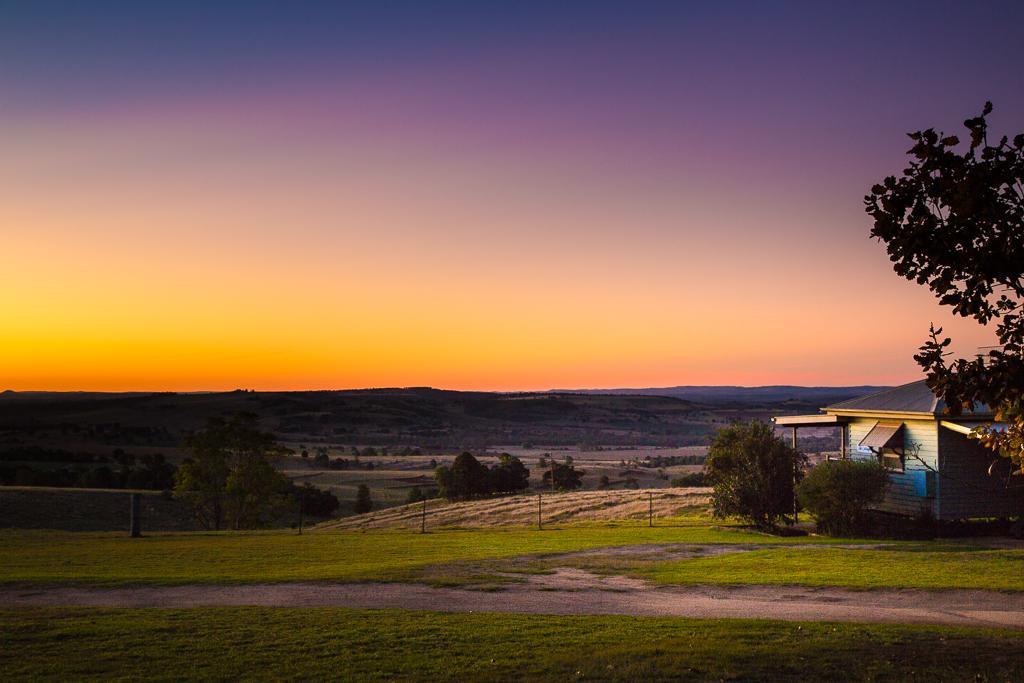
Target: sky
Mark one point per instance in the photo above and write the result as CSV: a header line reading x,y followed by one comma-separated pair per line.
x,y
472,195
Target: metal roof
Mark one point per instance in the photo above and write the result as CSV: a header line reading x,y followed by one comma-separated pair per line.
x,y
809,420
915,397
884,435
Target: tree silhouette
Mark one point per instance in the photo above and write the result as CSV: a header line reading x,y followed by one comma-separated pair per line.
x,y
954,221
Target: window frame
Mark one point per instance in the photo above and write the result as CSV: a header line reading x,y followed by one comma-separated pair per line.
x,y
886,455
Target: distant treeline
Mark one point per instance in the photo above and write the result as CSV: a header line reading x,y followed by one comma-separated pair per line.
x,y
659,461
36,466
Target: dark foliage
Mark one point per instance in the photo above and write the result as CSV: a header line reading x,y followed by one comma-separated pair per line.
x,y
469,478
839,492
315,502
43,467
509,475
363,502
753,473
954,221
690,479
229,476
659,461
567,477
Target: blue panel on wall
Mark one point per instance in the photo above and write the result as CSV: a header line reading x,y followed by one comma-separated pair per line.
x,y
924,483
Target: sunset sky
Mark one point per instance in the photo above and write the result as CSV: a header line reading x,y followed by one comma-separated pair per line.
x,y
288,195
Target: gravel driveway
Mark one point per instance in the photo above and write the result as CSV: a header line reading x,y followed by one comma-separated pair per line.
x,y
569,591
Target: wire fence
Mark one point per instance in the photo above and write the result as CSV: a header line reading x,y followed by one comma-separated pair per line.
x,y
538,510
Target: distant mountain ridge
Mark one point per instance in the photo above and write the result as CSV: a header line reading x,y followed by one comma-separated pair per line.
x,y
776,393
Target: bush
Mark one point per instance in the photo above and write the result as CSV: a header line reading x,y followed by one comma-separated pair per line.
x,y
363,502
690,479
839,492
753,472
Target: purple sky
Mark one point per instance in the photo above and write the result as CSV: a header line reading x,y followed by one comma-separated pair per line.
x,y
511,195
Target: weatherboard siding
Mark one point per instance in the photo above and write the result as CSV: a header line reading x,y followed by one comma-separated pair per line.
x,y
968,489
921,441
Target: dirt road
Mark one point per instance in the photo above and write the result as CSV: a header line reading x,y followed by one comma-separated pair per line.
x,y
570,591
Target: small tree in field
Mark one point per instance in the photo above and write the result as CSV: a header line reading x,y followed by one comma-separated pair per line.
x,y
838,493
229,476
567,477
753,472
363,502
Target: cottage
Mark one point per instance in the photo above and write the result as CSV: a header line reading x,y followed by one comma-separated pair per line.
x,y
933,464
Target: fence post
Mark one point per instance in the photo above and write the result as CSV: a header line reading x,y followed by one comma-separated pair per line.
x,y
796,504
136,516
650,508
423,518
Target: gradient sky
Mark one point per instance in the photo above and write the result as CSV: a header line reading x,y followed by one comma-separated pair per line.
x,y
283,195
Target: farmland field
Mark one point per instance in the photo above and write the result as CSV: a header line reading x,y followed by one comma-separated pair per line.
x,y
522,510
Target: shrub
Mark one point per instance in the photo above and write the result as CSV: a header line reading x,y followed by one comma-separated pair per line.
x,y
753,472
363,502
690,479
839,492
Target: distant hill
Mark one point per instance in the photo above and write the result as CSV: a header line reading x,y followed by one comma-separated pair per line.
x,y
718,395
416,416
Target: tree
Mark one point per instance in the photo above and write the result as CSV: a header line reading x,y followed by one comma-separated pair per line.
x,y
752,472
603,482
955,222
839,492
465,479
363,502
509,475
315,502
321,459
228,475
567,477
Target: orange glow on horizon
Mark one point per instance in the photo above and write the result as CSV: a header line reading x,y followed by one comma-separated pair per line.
x,y
203,258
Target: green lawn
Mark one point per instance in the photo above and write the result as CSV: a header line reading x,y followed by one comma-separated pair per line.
x,y
105,558
334,643
469,557
922,566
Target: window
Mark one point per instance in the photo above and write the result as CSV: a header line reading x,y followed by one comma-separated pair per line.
x,y
891,459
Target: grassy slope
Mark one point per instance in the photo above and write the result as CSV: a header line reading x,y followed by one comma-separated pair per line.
x,y
49,557
345,644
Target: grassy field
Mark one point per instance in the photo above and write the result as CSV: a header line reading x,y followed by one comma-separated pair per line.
x,y
462,556
922,565
334,643
47,557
